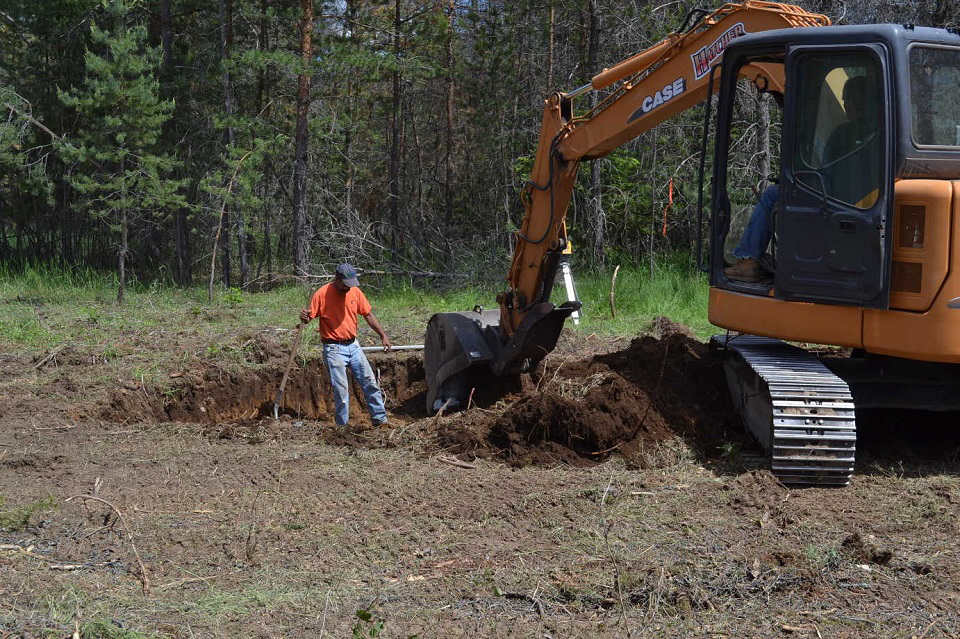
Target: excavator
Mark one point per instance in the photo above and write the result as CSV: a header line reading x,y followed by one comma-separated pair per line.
x,y
865,240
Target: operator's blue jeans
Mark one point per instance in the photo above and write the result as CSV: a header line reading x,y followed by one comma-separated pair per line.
x,y
759,229
337,357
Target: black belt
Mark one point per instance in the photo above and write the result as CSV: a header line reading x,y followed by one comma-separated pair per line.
x,y
341,342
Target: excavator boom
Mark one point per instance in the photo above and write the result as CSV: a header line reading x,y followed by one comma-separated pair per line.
x,y
648,88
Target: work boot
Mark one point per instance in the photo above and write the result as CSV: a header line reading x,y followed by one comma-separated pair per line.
x,y
745,270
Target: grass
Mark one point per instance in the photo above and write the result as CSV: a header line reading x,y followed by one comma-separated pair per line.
x,y
43,308
18,517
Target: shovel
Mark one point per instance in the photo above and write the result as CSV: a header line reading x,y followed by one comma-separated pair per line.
x,y
286,374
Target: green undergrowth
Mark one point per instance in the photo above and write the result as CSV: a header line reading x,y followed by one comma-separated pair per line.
x,y
15,518
42,309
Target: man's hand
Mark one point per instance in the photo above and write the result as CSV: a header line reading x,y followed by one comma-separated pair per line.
x,y
305,316
375,325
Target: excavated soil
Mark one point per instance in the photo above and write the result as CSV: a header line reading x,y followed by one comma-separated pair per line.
x,y
625,402
571,411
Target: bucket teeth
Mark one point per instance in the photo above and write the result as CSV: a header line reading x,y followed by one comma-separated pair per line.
x,y
800,412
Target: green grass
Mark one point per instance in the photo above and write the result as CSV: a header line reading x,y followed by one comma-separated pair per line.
x,y
43,308
18,517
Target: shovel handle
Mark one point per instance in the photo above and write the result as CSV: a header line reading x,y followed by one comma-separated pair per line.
x,y
286,374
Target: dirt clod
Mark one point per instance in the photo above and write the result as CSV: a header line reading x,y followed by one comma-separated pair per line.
x,y
866,550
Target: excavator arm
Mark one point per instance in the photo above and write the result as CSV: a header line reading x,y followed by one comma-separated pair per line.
x,y
650,87
654,85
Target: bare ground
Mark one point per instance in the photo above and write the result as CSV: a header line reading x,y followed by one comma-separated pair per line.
x,y
612,493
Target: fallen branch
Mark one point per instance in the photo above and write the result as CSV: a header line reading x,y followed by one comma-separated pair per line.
x,y
525,597
270,278
189,580
453,461
50,356
144,578
613,285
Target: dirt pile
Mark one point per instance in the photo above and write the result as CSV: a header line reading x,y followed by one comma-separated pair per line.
x,y
545,428
626,402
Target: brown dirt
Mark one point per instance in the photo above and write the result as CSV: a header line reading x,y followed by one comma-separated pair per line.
x,y
572,411
613,403
611,495
215,394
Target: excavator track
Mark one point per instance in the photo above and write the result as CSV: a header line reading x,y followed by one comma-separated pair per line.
x,y
800,412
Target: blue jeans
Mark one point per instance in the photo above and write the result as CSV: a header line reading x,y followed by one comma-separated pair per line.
x,y
759,229
337,357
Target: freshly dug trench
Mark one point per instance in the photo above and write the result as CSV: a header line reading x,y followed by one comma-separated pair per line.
x,y
215,395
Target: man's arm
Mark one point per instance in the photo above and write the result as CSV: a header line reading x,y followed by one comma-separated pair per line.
x,y
311,311
375,325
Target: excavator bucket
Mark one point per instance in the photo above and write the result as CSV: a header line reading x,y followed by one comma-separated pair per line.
x,y
462,350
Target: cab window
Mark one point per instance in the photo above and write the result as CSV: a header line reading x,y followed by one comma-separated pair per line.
x,y
935,96
839,127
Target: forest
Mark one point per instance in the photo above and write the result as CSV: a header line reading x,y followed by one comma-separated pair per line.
x,y
251,140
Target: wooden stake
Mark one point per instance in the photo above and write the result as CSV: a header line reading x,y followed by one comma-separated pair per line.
x,y
613,284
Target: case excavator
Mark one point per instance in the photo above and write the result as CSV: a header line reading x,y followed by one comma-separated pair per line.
x,y
865,250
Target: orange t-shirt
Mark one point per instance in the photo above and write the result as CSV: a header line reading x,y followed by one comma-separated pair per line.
x,y
338,311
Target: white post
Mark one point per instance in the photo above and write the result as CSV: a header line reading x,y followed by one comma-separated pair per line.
x,y
571,289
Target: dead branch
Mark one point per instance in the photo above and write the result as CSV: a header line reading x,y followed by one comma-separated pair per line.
x,y
525,597
29,118
144,578
50,356
453,461
613,285
223,208
314,277
189,580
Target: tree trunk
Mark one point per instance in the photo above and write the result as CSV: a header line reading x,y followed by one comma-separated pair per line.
x,y
763,140
448,142
226,41
653,203
182,248
267,241
300,239
550,45
350,15
166,35
263,95
122,256
598,218
394,194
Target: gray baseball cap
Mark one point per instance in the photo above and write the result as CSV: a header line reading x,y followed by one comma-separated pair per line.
x,y
347,274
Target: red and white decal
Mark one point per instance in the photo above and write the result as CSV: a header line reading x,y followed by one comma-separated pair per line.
x,y
707,55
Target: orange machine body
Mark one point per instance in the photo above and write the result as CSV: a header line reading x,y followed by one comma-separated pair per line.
x,y
920,323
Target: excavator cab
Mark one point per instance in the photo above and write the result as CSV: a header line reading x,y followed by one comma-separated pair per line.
x,y
826,236
860,239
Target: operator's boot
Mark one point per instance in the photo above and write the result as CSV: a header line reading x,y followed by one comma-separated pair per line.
x,y
745,270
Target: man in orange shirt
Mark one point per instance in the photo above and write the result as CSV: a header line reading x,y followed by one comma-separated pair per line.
x,y
337,305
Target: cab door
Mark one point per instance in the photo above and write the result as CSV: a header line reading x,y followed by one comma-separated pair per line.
x,y
836,186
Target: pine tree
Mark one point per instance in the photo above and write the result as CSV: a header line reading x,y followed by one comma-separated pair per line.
x,y
118,169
